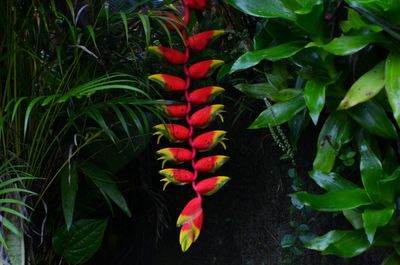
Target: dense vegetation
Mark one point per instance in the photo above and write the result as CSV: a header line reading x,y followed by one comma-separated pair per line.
x,y
77,110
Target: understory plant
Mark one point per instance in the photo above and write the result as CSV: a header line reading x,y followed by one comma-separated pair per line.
x,y
191,116
333,67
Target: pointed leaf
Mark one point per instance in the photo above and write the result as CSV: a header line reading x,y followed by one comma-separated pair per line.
x,y
374,218
331,181
69,187
393,83
314,96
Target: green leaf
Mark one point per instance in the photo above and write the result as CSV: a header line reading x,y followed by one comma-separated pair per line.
x,y
372,117
393,259
347,45
265,90
267,8
335,132
331,181
335,200
374,218
366,87
15,245
105,183
278,52
279,113
354,217
69,187
81,242
345,244
297,125
392,79
314,96
371,170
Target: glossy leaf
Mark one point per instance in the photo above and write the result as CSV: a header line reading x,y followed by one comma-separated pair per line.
x,y
279,113
81,242
69,187
393,83
267,9
106,184
335,200
344,244
347,45
366,87
374,218
252,58
335,132
331,181
371,116
266,90
393,259
314,96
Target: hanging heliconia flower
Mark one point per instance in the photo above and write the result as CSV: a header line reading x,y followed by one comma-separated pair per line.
x,y
187,120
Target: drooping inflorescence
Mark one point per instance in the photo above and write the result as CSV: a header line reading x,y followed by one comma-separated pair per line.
x,y
189,117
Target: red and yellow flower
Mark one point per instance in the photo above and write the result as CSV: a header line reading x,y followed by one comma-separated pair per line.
x,y
175,133
190,231
170,55
191,211
205,95
204,69
211,185
203,117
207,141
199,42
170,83
210,164
176,176
175,111
175,155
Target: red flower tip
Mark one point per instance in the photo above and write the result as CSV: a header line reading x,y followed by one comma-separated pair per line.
x,y
203,117
199,41
176,176
208,140
196,4
170,55
175,111
191,211
169,82
205,95
211,185
204,69
174,155
211,163
175,133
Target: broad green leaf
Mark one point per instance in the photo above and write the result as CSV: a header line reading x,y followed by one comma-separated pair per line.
x,y
279,113
297,125
392,78
365,88
267,8
106,184
371,170
335,132
265,90
81,242
355,22
345,244
354,217
314,96
310,18
390,162
347,45
331,181
335,200
393,259
389,186
278,52
69,187
374,218
372,117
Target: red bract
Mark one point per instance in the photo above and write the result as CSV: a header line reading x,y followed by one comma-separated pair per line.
x,y
199,41
170,55
190,231
191,211
208,140
211,163
202,118
196,4
170,83
175,111
211,185
173,132
176,176
173,21
204,69
175,155
205,95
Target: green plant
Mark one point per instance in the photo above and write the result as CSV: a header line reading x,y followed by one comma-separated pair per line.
x,y
335,64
